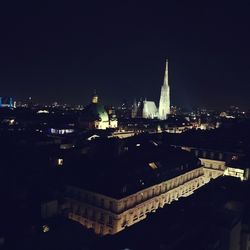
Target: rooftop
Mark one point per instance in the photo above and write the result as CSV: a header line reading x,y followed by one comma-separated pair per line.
x,y
118,168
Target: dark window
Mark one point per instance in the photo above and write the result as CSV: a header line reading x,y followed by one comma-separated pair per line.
x,y
102,218
93,199
102,202
111,205
93,215
110,221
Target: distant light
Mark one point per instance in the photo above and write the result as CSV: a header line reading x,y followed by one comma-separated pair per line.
x,y
12,121
138,145
93,137
44,111
59,162
154,143
152,165
45,228
142,183
61,131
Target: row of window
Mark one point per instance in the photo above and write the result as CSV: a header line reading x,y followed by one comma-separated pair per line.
x,y
168,199
91,199
210,155
214,166
91,214
146,195
141,197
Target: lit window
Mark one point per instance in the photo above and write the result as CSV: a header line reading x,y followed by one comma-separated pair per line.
x,y
45,228
153,165
234,157
59,162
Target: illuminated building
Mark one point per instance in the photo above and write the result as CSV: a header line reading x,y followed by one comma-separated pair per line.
x,y
61,131
217,163
139,188
144,109
6,102
164,104
150,110
94,116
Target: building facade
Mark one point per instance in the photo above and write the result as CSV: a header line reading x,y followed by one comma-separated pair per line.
x,y
106,215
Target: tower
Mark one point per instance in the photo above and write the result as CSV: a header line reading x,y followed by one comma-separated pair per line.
x,y
164,104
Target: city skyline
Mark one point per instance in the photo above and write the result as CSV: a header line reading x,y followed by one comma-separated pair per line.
x,y
65,53
124,125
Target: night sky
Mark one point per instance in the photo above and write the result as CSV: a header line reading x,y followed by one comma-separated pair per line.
x,y
63,51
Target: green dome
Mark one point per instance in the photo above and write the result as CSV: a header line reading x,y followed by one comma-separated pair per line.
x,y
95,111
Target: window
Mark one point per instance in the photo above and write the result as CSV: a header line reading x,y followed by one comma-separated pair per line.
x,y
212,155
78,211
87,198
102,202
110,221
153,165
59,162
135,217
125,204
124,189
93,199
111,205
93,215
220,156
102,219
85,212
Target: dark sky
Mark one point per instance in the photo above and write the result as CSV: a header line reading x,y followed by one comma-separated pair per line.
x,y
63,51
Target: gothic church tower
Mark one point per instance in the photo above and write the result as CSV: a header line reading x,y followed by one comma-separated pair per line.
x,y
164,105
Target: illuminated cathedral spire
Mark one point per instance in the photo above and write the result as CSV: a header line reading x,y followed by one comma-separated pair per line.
x,y
164,104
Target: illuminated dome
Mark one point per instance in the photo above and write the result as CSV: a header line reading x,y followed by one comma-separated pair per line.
x,y
95,112
94,115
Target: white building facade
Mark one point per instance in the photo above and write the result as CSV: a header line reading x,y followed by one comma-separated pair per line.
x,y
107,215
